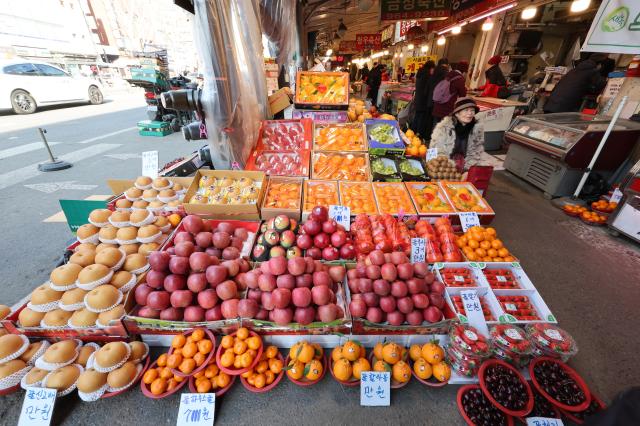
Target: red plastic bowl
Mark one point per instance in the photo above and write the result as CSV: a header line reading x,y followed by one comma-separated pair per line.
x,y
138,377
348,383
590,223
428,382
461,392
304,382
211,337
219,392
394,384
555,409
233,371
573,374
147,392
573,418
515,413
268,387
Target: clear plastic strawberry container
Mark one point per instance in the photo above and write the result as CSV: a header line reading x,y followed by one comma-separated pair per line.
x,y
552,341
511,344
467,349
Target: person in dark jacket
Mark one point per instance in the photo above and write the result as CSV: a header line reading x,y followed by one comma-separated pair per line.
x,y
364,73
423,99
457,90
585,79
374,80
495,84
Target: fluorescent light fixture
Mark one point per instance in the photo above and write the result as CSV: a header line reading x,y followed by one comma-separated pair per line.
x,y
329,52
580,5
401,54
424,48
487,25
441,41
410,46
529,13
493,12
386,52
456,30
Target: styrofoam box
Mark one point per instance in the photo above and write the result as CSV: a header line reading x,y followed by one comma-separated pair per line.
x,y
535,299
484,292
476,272
523,280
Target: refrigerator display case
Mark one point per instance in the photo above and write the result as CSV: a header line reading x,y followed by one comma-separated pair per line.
x,y
626,218
552,151
496,115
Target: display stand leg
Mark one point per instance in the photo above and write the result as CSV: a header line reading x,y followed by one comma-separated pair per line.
x,y
562,201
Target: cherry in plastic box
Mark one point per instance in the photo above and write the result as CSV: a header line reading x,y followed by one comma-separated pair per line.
x,y
285,135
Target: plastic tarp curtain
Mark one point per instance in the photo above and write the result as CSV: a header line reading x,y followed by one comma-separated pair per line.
x,y
279,24
234,96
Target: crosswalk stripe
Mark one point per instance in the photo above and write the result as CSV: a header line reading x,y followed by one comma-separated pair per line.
x,y
17,150
20,175
107,135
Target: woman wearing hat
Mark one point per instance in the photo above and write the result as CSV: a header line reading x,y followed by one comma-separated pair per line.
x,y
460,136
496,84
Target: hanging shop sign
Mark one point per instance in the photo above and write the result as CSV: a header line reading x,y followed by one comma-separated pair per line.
x,y
387,33
413,64
368,41
459,5
348,46
405,25
396,10
615,29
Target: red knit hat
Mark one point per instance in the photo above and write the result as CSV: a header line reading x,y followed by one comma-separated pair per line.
x,y
495,60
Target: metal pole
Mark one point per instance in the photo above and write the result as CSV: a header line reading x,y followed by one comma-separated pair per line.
x,y
601,146
46,144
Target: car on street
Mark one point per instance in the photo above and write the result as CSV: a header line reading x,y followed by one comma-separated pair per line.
x,y
26,85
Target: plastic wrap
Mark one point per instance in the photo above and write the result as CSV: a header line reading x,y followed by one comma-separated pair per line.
x,y
278,19
234,100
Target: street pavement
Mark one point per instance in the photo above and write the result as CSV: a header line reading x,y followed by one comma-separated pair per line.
x,y
588,279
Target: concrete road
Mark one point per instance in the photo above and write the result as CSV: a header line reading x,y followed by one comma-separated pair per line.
x,y
587,278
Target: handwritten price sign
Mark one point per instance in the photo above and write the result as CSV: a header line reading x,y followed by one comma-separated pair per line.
x,y
473,309
418,248
37,407
375,389
150,164
469,219
341,214
196,409
543,421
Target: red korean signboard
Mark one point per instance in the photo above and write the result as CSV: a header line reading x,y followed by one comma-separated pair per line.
x,y
368,41
398,10
405,25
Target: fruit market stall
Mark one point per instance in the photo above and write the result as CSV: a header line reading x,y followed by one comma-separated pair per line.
x,y
309,261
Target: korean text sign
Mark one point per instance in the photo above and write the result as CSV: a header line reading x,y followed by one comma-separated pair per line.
x,y
375,388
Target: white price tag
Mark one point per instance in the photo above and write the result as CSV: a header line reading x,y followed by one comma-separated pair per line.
x,y
342,215
418,249
458,278
543,421
501,278
375,388
37,408
469,219
510,307
616,196
196,409
432,153
150,164
473,310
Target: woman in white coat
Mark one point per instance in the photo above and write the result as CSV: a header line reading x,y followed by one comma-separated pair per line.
x,y
460,136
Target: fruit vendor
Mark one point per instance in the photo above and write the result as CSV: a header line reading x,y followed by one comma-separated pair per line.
x,y
460,136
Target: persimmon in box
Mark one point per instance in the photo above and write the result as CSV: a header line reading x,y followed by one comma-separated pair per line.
x,y
322,90
393,197
358,196
320,193
481,244
340,166
339,137
276,163
429,198
285,135
465,197
283,196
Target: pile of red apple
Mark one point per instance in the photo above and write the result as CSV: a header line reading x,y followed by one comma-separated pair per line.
x,y
380,232
387,287
323,238
440,242
199,278
300,290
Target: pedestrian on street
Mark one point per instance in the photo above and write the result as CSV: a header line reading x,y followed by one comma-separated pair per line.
x,y
423,100
374,81
447,91
459,136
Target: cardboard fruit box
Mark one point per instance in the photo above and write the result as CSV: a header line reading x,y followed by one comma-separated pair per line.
x,y
226,211
280,163
335,140
282,135
270,210
322,90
